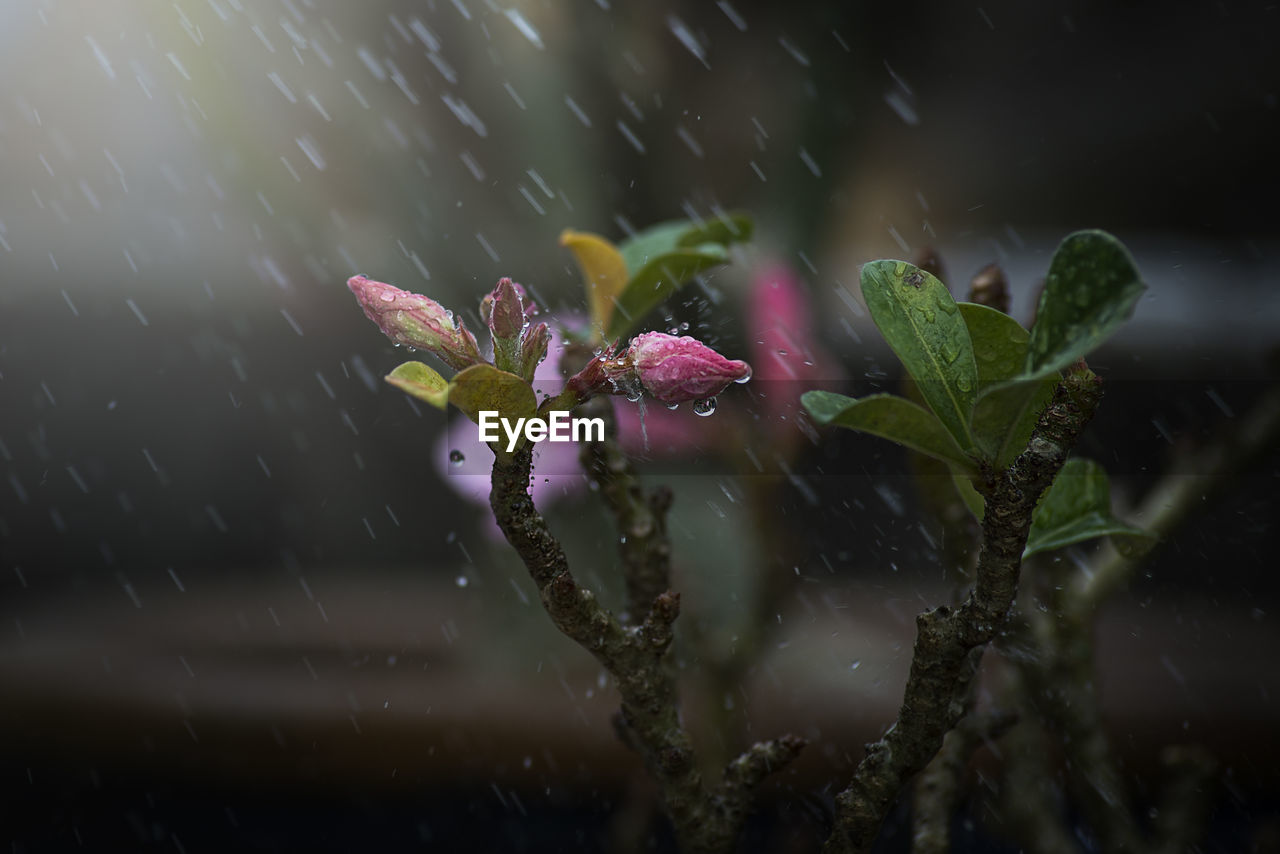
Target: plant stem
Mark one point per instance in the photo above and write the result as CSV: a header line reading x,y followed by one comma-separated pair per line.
x,y
706,821
937,789
641,519
950,641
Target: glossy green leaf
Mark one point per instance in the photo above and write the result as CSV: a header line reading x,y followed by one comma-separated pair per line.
x,y
917,316
484,387
1077,507
890,417
657,280
1091,289
999,342
421,381
1005,413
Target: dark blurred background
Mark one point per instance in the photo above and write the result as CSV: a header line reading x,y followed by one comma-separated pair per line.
x,y
246,601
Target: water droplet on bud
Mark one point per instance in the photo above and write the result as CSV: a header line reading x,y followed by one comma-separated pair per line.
x,y
704,407
745,377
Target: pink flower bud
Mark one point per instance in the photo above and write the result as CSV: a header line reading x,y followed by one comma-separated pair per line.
x,y
676,370
533,350
486,304
416,321
506,314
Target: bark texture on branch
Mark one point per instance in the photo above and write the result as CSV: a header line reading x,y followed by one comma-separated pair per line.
x,y
706,819
950,641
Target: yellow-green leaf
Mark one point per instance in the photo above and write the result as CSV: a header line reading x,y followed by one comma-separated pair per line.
x,y
421,381
603,270
484,387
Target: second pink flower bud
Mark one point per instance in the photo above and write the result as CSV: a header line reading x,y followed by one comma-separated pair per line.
x,y
675,369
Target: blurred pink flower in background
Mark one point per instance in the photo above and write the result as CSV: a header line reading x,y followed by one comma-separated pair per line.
x,y
464,461
785,353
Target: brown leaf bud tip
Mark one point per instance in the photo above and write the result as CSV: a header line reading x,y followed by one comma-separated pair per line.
x,y
675,369
989,287
928,259
416,321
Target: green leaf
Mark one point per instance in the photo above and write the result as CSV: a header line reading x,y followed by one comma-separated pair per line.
x,y
657,280
890,417
484,387
999,342
666,237
421,381
1077,507
726,230
917,316
1091,289
969,493
663,257
1005,413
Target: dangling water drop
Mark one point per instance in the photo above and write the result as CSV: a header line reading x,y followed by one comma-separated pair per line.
x,y
747,376
673,406
704,407
456,457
